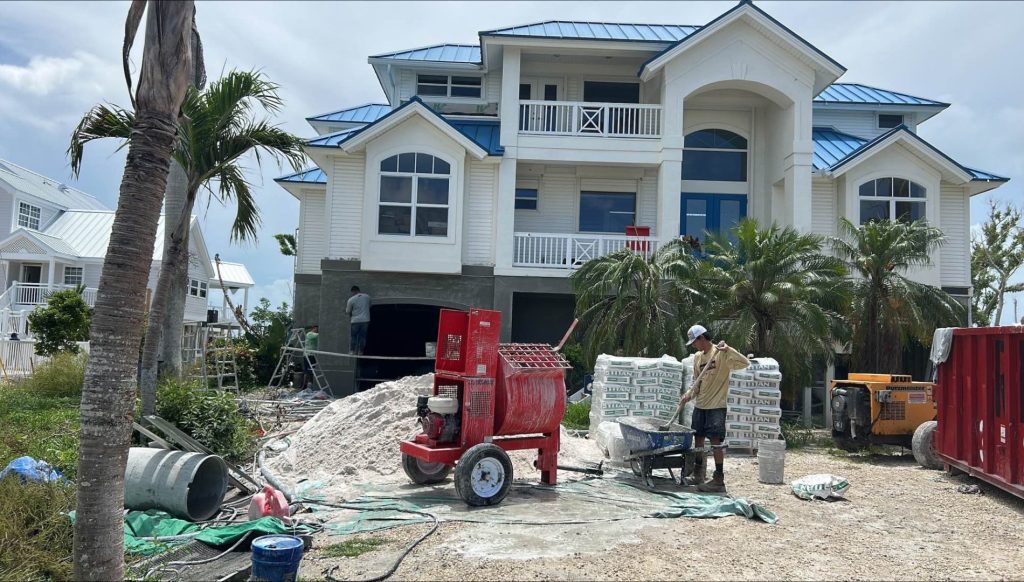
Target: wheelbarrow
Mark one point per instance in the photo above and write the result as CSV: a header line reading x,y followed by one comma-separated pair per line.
x,y
651,448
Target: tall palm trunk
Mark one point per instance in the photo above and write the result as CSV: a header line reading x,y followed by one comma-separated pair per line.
x,y
108,395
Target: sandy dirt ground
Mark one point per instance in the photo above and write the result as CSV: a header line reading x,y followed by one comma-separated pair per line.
x,y
898,522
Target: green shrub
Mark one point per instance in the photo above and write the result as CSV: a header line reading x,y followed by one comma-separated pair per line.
x,y
574,378
64,321
61,376
577,415
268,334
797,435
39,426
245,360
35,532
209,416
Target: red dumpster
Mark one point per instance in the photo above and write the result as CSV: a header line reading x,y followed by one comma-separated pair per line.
x,y
980,399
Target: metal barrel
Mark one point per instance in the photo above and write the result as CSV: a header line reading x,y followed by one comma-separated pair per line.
x,y
187,485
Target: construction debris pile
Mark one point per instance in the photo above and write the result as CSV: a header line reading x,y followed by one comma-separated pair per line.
x,y
753,412
353,442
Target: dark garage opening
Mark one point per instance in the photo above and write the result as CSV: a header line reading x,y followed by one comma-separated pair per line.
x,y
397,330
541,317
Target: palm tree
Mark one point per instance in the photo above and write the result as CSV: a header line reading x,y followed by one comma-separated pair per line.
x,y
108,395
889,309
776,294
217,130
633,304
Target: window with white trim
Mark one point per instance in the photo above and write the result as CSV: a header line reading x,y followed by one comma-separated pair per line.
x,y
73,276
717,155
892,199
449,86
197,288
526,199
28,216
414,195
889,120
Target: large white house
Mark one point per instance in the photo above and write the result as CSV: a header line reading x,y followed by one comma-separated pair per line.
x,y
495,170
55,237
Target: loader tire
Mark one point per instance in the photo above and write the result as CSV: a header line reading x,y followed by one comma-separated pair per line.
x,y
483,476
923,446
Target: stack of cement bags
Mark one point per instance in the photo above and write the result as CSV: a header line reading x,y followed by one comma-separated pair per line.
x,y
753,404
632,387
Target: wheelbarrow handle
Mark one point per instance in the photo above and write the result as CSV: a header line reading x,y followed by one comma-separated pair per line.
x,y
565,337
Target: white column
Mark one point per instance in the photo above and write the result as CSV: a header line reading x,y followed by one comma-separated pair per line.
x,y
505,215
798,168
830,374
669,175
509,106
53,273
245,300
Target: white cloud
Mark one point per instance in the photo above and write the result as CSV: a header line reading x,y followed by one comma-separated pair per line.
x,y
280,291
43,75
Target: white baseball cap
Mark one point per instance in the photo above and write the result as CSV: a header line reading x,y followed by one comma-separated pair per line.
x,y
694,333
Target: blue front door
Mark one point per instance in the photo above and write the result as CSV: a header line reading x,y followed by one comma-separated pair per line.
x,y
702,213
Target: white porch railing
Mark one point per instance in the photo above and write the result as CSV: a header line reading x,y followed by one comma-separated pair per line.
x,y
12,321
570,251
594,119
38,293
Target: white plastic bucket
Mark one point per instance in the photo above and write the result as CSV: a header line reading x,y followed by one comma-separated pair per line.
x,y
771,461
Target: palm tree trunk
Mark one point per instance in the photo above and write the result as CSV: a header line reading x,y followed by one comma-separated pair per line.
x,y
173,316
108,395
172,272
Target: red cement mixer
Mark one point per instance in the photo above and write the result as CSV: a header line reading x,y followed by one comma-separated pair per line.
x,y
488,398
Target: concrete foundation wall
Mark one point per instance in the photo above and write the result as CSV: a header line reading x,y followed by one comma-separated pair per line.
x,y
307,300
505,287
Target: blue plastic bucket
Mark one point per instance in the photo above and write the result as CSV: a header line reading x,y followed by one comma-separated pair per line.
x,y
275,558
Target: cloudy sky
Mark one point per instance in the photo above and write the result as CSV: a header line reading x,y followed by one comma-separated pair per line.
x,y
57,59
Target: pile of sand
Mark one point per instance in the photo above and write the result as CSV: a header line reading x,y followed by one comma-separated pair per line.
x,y
354,441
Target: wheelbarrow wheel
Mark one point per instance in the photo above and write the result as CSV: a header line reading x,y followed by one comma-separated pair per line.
x,y
423,473
637,468
483,475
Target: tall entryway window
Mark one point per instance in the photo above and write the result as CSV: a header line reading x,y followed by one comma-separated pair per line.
x,y
31,273
715,213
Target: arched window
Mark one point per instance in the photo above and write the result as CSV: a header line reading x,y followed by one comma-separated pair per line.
x,y
414,190
716,155
892,199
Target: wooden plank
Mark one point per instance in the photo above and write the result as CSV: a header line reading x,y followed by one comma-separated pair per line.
x,y
153,436
236,476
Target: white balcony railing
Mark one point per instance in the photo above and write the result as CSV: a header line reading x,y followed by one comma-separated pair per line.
x,y
38,293
589,119
570,251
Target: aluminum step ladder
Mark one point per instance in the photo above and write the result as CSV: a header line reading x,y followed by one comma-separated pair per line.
x,y
297,345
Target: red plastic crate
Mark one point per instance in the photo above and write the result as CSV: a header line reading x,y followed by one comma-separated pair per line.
x,y
467,342
980,401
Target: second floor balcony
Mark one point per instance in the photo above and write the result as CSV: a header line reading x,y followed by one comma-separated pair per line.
x,y
576,118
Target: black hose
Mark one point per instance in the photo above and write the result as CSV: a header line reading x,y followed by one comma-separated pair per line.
x,y
405,553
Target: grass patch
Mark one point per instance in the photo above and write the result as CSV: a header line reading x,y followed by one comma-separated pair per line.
x,y
39,426
577,415
353,547
62,376
35,532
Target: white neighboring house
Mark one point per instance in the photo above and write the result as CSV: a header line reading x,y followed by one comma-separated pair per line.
x,y
232,278
58,238
494,170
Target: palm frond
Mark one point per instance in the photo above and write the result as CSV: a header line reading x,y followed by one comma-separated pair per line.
x,y
102,121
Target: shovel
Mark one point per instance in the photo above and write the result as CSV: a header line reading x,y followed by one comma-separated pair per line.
x,y
695,382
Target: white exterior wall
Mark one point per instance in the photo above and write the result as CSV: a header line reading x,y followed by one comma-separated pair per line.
x,y
897,161
312,239
405,87
344,205
559,190
6,213
481,199
571,76
824,217
410,253
861,123
955,222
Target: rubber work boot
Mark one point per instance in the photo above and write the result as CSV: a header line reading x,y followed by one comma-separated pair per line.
x,y
700,469
715,485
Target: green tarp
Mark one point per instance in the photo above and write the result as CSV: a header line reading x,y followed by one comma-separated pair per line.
x,y
158,524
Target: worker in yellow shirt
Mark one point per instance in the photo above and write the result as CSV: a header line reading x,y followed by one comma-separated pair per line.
x,y
709,394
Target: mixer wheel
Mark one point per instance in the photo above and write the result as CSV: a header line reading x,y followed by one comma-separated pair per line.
x,y
483,475
422,472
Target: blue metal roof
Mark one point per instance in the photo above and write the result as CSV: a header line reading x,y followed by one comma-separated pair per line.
x,y
863,94
367,113
598,31
309,176
442,53
984,176
485,133
831,146
333,139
